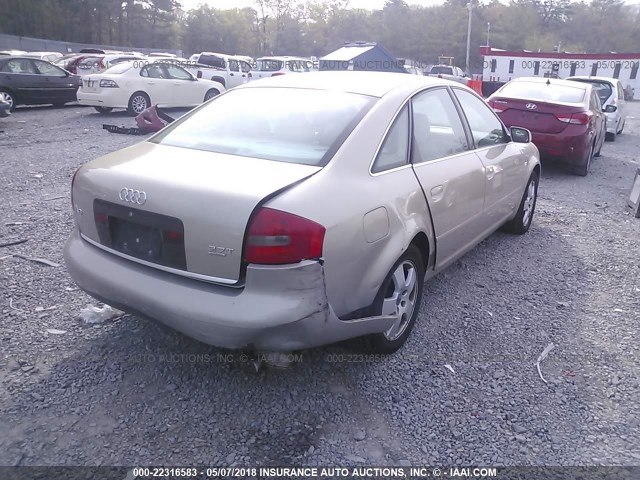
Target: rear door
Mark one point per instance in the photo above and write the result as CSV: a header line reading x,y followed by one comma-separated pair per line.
x,y
450,174
21,76
504,166
158,84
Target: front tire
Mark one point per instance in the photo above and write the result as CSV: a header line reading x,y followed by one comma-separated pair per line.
x,y
138,103
8,97
400,295
522,221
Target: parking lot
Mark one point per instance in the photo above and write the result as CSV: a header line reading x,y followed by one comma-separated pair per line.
x,y
464,390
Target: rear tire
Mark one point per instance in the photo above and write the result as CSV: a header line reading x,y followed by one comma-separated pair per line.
x,y
399,294
583,170
522,221
138,103
103,109
211,94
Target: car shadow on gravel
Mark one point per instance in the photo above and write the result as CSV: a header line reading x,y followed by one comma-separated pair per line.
x,y
139,392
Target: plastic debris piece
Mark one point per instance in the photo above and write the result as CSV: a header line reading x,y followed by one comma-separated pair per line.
x,y
44,261
450,368
55,331
93,314
542,356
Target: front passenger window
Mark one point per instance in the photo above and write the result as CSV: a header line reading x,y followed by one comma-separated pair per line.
x,y
486,128
395,149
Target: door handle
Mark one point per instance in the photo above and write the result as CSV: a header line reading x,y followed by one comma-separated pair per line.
x,y
151,83
492,170
437,192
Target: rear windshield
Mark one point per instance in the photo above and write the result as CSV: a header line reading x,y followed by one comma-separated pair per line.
x,y
119,68
603,89
269,65
442,70
281,124
212,61
544,92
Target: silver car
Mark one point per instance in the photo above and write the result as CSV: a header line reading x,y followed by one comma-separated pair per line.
x,y
611,94
300,210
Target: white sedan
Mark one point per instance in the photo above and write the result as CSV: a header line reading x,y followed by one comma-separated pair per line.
x,y
137,85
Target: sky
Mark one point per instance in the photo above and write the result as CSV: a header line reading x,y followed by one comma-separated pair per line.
x,y
369,4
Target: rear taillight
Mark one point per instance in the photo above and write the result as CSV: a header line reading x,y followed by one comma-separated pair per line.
x,y
277,238
498,107
582,118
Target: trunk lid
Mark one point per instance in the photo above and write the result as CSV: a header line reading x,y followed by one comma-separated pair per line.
x,y
175,208
535,115
90,83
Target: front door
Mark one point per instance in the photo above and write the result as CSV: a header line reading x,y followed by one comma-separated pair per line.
x,y
504,165
450,173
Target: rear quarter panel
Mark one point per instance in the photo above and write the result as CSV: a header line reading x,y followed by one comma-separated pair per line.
x,y
357,258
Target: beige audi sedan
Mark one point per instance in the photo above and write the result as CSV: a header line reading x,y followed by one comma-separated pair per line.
x,y
300,210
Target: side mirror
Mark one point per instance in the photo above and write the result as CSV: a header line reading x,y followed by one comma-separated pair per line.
x,y
520,135
610,108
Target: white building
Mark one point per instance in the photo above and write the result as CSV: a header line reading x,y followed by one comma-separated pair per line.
x,y
502,65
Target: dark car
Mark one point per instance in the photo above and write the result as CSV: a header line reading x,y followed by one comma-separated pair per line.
x,y
565,118
29,81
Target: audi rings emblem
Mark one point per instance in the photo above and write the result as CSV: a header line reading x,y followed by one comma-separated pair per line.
x,y
133,196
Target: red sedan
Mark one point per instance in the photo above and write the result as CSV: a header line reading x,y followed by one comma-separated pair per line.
x,y
565,118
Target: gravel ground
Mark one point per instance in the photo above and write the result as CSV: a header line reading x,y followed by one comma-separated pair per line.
x,y
130,391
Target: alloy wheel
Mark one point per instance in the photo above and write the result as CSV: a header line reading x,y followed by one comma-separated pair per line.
x,y
5,97
139,104
529,203
401,299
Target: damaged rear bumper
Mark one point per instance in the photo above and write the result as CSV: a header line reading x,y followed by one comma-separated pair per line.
x,y
280,308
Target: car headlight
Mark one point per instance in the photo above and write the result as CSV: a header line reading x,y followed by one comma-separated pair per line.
x,y
108,84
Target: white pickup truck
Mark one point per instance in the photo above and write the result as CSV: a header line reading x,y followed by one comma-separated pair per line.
x,y
229,70
450,73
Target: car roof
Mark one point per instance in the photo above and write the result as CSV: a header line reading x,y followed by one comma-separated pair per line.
x,y
374,84
285,57
596,79
552,81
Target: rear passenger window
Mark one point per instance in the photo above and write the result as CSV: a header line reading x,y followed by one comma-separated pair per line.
x,y
437,128
485,126
395,149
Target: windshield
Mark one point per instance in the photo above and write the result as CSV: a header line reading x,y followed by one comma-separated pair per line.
x,y
442,70
281,124
268,65
544,92
603,89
